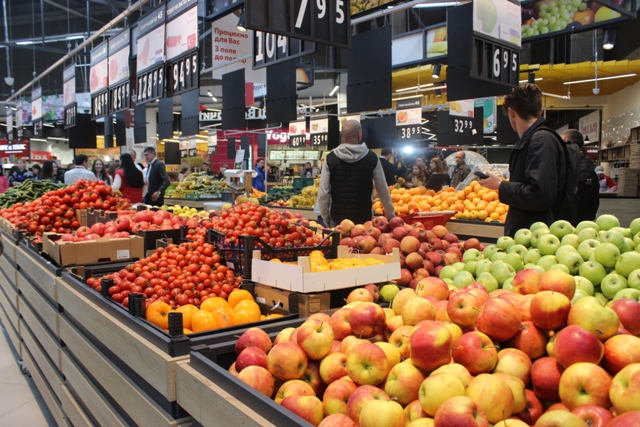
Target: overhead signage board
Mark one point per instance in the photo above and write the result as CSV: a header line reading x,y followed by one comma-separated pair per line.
x,y
69,96
319,130
269,48
183,70
99,81
150,60
589,126
325,22
436,41
298,134
461,116
409,118
36,111
119,84
499,20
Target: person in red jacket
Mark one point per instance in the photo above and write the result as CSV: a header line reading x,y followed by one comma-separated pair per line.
x,y
4,182
128,179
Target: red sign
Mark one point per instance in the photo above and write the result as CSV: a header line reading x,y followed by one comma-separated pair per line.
x,y
18,149
40,155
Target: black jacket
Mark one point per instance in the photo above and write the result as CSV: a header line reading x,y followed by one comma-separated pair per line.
x,y
158,181
389,171
537,168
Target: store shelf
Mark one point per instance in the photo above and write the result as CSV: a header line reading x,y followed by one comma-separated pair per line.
x,y
10,319
484,231
49,314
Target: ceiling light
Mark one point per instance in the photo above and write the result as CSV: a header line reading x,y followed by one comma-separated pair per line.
x,y
406,89
609,39
601,78
438,4
553,95
436,71
407,150
77,37
241,23
212,96
24,43
537,79
334,90
49,125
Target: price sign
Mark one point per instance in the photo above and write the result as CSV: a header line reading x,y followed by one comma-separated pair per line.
x,y
100,105
495,62
120,98
319,139
296,141
70,116
269,48
319,21
183,74
37,128
408,132
460,125
150,85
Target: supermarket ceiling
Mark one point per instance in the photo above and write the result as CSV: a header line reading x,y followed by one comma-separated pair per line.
x,y
39,32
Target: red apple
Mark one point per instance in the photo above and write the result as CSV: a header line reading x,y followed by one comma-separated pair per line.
x,y
360,397
400,338
312,377
337,420
460,411
308,408
476,352
336,396
628,311
493,395
253,337
620,351
287,361
575,344
585,384
526,281
293,388
349,343
545,378
359,294
414,411
374,290
416,310
530,339
430,346
251,356
367,319
625,389
593,416
433,286
258,378
558,281
463,309
560,419
514,362
403,383
628,419
533,410
550,310
333,367
499,319
339,322
367,364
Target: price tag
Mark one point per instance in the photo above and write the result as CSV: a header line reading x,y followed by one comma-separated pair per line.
x,y
318,139
100,105
269,48
37,128
461,125
495,62
120,98
409,132
183,74
296,141
70,116
150,85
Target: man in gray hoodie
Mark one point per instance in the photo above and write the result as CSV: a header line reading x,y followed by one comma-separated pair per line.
x,y
347,181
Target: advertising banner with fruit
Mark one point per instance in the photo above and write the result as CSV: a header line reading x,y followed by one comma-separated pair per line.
x,y
119,48
99,71
151,40
182,27
545,18
36,104
498,19
69,85
436,41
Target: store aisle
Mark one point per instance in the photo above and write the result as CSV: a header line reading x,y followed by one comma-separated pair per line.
x,y
21,404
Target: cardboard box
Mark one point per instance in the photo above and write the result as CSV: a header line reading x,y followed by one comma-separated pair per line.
x,y
92,252
81,216
303,304
6,226
151,237
299,278
88,217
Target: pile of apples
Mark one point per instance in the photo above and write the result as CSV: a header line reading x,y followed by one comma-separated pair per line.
x,y
423,253
444,356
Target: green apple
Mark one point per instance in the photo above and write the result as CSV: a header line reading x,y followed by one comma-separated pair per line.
x,y
634,227
449,282
535,267
448,272
607,222
633,279
489,282
388,292
515,261
498,256
614,237
489,250
627,293
462,279
537,234
458,266
586,224
547,261
548,244
584,284
470,266
626,232
593,271
502,272
504,242
586,234
601,298
559,267
606,254
612,283
572,260
577,295
518,249
636,240
537,225
561,228
564,249
591,314
523,237
628,245
471,254
586,248
532,256
570,239
627,263
508,284
482,266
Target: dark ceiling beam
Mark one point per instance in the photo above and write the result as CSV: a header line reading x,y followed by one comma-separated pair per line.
x,y
72,12
36,47
113,3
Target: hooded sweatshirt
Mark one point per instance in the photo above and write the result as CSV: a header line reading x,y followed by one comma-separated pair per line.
x,y
346,185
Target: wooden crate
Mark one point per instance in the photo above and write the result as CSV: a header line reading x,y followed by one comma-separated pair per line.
x,y
299,278
46,311
49,343
307,304
9,268
9,318
42,273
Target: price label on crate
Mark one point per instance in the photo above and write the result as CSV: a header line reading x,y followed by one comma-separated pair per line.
x,y
150,85
183,74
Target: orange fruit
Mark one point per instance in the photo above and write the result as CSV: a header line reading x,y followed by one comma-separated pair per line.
x,y
238,295
213,304
224,317
247,305
187,310
203,321
245,316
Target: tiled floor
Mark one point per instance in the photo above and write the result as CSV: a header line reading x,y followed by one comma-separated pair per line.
x,y
21,403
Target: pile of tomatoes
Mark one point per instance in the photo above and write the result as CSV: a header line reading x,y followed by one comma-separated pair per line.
x,y
55,210
187,273
275,228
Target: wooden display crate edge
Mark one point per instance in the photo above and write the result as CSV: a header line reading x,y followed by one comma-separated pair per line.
x,y
299,278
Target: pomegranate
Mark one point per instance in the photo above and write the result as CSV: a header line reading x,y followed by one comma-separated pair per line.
x,y
399,233
440,231
381,223
395,223
414,261
409,245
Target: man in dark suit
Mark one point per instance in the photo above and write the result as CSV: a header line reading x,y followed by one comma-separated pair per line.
x,y
388,168
155,177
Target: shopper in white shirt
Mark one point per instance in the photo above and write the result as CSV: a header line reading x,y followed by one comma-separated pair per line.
x,y
79,171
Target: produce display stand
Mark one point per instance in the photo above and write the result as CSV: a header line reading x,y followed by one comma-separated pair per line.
x,y
487,232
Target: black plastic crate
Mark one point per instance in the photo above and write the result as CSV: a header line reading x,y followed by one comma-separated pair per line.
x,y
238,257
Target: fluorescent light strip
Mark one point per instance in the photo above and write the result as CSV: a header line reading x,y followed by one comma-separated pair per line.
x,y
406,89
553,95
537,79
601,78
437,4
334,90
